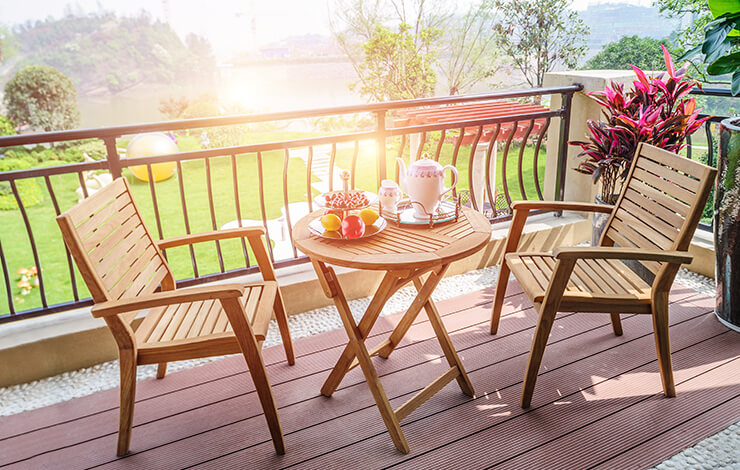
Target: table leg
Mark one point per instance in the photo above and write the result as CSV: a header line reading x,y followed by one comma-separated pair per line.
x,y
387,287
422,296
444,341
356,342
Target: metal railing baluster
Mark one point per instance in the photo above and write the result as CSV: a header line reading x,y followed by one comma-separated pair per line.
x,y
32,240
471,159
491,185
261,183
209,187
521,157
286,160
504,179
180,178
6,277
70,265
237,206
535,161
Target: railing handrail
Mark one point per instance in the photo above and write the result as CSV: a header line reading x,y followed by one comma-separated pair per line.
x,y
712,91
464,130
218,121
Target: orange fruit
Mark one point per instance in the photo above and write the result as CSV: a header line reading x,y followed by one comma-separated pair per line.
x,y
331,222
369,216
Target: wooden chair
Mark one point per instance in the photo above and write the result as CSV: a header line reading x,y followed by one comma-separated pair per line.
x,y
652,221
123,266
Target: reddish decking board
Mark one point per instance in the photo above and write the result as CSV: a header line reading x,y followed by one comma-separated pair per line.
x,y
598,401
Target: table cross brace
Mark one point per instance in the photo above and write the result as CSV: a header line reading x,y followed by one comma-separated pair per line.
x,y
356,353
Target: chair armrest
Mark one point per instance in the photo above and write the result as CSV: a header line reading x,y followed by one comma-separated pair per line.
x,y
158,299
608,252
562,206
210,236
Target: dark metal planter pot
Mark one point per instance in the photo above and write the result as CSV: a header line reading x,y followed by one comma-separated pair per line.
x,y
727,225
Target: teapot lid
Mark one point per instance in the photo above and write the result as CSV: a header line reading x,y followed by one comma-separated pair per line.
x,y
425,162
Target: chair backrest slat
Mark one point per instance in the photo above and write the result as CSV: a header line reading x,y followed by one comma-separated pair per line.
x,y
114,249
658,205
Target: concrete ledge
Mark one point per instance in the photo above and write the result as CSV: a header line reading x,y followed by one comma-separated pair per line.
x,y
702,247
45,346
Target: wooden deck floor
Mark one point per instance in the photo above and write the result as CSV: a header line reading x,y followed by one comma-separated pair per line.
x,y
598,401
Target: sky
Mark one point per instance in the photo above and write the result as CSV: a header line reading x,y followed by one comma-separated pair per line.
x,y
226,23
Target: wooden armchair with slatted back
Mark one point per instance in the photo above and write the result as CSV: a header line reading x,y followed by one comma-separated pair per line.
x,y
653,222
126,273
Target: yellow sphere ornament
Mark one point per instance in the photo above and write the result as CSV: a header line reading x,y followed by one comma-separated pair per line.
x,y
147,145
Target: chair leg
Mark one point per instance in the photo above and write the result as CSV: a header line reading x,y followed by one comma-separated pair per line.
x,y
251,351
498,296
264,392
282,321
539,341
127,361
616,324
663,342
161,370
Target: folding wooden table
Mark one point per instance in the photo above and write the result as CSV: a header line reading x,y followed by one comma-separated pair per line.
x,y
405,254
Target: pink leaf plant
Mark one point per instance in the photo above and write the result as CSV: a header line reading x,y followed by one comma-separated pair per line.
x,y
655,110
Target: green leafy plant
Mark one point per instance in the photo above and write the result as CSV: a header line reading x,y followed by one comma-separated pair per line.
x,y
720,49
656,111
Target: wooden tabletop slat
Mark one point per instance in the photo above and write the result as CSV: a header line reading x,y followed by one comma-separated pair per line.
x,y
399,247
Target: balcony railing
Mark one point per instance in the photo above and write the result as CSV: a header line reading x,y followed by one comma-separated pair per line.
x,y
272,183
704,147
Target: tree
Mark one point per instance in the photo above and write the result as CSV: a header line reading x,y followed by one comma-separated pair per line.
x,y
459,46
397,67
538,35
8,44
698,10
644,53
42,97
469,54
172,107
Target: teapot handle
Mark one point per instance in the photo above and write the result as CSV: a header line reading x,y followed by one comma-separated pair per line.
x,y
454,179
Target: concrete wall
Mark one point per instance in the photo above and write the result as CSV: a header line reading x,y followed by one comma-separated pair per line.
x,y
578,187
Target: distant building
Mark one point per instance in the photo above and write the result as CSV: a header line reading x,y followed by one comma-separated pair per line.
x,y
274,53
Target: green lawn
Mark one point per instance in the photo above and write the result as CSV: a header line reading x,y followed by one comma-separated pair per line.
x,y
16,245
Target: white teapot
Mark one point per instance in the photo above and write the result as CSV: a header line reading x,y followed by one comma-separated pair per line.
x,y
424,182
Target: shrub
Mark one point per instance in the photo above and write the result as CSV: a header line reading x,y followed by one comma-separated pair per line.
x,y
42,97
28,189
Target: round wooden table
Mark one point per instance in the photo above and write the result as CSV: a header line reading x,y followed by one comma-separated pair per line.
x,y
406,254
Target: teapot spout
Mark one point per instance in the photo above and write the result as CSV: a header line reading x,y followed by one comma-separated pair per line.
x,y
401,173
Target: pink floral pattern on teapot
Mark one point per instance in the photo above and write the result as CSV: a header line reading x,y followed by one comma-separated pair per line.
x,y
424,181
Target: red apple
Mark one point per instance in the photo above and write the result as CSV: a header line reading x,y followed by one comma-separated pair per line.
x,y
353,227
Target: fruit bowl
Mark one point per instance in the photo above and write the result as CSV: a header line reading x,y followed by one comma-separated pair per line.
x,y
372,229
345,201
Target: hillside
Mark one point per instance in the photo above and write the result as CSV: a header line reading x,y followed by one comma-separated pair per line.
x,y
105,54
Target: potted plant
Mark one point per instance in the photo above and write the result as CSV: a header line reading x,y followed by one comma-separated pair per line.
x,y
719,52
655,110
